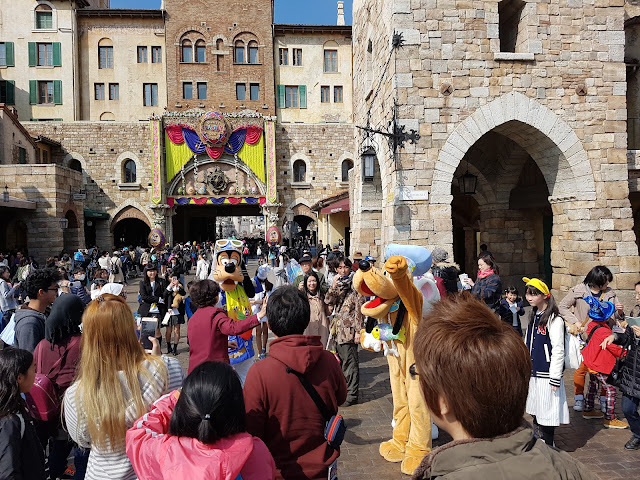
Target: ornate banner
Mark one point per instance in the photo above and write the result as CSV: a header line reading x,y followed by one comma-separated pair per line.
x,y
270,134
156,189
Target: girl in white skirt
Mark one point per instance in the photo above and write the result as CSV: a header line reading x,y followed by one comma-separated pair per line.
x,y
547,399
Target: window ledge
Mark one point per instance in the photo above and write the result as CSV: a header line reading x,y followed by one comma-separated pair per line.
x,y
300,185
194,63
44,30
514,57
246,63
45,66
344,184
129,186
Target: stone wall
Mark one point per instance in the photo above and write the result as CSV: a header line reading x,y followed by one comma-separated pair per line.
x,y
102,148
51,187
562,99
323,147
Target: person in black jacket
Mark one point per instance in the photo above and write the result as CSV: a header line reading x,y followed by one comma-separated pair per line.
x,y
152,292
21,454
630,380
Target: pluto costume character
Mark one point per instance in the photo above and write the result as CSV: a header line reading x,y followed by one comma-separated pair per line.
x,y
399,302
236,285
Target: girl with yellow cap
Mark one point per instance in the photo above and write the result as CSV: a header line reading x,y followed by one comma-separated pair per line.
x,y
547,399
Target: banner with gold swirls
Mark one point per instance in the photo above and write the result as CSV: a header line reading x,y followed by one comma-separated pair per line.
x,y
270,134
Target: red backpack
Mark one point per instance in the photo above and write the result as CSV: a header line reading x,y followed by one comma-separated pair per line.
x,y
43,401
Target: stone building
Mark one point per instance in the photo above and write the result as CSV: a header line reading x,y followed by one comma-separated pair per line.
x,y
527,98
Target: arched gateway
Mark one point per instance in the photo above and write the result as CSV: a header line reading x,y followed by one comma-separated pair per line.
x,y
535,203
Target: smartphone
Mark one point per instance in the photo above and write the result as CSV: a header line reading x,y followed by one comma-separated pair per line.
x,y
147,329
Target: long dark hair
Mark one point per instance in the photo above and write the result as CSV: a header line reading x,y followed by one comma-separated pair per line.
x,y
13,362
552,308
306,288
145,277
489,260
210,406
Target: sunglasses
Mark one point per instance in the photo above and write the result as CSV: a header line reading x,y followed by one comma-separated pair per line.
x,y
229,241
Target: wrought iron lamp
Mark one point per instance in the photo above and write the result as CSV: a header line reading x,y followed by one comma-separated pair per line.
x,y
5,194
368,164
468,182
64,223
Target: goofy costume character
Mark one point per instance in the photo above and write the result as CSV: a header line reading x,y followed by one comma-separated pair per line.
x,y
397,305
236,289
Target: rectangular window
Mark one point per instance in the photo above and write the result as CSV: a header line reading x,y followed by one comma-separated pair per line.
x,y
337,94
156,54
325,94
3,55
297,57
8,92
330,60
201,53
187,90
291,97
105,57
114,91
202,90
142,54
150,94
44,20
254,91
22,155
45,54
241,91
284,56
6,54
99,90
45,93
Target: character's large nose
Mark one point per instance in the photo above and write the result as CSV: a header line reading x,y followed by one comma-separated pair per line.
x,y
230,267
364,265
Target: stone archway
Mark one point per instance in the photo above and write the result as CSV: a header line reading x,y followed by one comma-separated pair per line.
x,y
535,132
129,212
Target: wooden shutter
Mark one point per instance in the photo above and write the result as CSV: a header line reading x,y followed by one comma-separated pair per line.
x,y
11,92
9,53
57,92
57,54
281,100
33,54
33,92
302,93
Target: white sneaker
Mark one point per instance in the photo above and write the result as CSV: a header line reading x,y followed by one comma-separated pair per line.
x,y
579,405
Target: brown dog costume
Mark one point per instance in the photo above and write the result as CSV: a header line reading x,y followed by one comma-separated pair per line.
x,y
412,431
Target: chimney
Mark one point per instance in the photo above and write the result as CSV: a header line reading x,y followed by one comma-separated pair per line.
x,y
340,13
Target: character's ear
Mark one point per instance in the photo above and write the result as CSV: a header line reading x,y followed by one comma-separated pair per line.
x,y
429,291
371,323
402,310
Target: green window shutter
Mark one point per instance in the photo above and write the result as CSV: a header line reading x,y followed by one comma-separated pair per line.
x,y
33,92
11,92
57,92
9,53
281,103
302,92
57,54
33,54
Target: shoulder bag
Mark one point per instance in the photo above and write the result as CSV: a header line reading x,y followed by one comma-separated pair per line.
x,y
335,428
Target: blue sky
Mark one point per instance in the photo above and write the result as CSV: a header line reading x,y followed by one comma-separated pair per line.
x,y
323,12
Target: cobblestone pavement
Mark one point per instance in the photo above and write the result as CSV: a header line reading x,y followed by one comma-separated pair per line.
x,y
369,423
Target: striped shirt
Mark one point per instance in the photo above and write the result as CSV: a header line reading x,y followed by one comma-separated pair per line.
x,y
114,464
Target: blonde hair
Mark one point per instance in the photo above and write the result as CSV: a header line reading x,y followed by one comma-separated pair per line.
x,y
110,346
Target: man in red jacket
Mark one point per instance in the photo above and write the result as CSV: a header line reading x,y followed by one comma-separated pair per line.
x,y
279,409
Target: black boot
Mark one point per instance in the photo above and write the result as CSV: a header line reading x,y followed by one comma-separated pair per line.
x,y
175,349
633,443
169,349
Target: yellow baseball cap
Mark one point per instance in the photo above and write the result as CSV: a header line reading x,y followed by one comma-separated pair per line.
x,y
537,283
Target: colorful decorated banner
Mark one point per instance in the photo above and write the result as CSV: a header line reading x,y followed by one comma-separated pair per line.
x,y
270,133
156,189
171,201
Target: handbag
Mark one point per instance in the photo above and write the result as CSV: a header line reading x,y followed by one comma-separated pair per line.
x,y
335,427
572,351
8,335
43,401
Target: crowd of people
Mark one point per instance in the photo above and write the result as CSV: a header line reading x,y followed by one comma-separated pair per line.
x,y
81,375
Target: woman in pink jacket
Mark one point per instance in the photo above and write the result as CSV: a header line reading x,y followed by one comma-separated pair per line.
x,y
199,433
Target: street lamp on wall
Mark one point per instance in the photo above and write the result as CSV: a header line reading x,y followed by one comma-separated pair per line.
x,y
368,164
5,194
64,223
468,182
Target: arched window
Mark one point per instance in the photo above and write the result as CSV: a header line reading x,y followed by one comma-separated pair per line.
x,y
129,171
238,52
201,50
346,166
75,164
186,51
105,53
44,17
299,171
253,51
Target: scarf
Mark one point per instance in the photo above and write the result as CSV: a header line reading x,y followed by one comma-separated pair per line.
x,y
485,273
